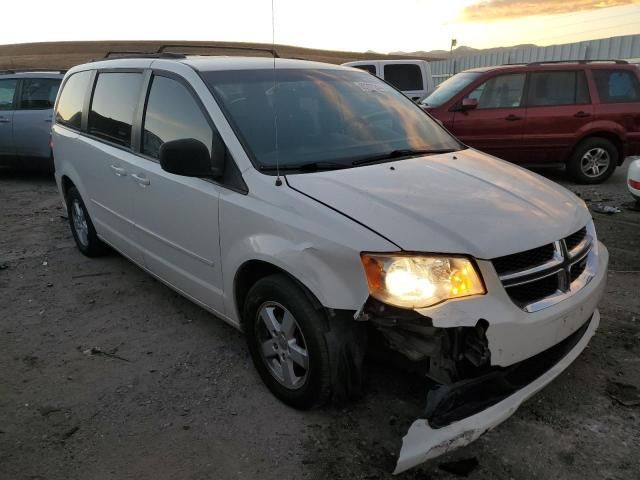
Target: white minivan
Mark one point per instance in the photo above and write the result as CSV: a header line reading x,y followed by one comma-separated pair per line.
x,y
326,215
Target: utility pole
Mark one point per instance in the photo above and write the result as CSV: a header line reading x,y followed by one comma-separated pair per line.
x,y
454,42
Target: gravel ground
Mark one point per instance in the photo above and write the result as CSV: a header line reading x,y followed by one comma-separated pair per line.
x,y
106,373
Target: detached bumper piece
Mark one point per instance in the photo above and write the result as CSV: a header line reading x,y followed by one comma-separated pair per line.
x,y
450,403
459,413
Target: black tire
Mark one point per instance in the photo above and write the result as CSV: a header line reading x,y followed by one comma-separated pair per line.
x,y
92,246
575,164
313,324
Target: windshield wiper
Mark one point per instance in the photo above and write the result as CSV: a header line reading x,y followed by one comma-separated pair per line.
x,y
407,152
305,167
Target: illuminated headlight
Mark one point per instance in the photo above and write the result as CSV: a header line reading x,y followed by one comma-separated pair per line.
x,y
420,281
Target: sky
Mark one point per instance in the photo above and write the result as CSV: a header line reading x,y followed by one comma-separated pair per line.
x,y
352,25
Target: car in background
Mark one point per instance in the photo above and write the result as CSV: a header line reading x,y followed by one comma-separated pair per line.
x,y
411,77
26,111
582,114
633,179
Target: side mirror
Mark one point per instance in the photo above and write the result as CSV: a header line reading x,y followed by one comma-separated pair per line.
x,y
469,104
191,158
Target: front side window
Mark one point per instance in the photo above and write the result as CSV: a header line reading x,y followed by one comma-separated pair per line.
x,y
449,88
502,91
7,91
38,93
367,68
112,109
69,111
404,77
617,86
172,114
296,117
557,88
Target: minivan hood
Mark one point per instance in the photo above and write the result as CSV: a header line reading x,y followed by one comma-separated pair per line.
x,y
467,202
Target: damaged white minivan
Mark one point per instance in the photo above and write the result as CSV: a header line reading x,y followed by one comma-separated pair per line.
x,y
326,215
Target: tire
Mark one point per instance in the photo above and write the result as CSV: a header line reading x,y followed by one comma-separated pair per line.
x,y
593,161
277,297
82,227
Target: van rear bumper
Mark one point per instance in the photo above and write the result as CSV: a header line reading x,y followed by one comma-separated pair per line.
x,y
425,440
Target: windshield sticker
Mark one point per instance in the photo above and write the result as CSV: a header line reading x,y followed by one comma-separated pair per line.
x,y
372,87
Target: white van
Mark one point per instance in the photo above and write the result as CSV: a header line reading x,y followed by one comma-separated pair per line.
x,y
316,208
411,77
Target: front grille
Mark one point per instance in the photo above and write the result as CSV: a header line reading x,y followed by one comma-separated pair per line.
x,y
524,260
534,291
577,270
551,270
574,239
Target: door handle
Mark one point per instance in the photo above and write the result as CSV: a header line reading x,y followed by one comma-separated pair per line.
x,y
48,120
582,114
142,181
119,171
513,118
4,120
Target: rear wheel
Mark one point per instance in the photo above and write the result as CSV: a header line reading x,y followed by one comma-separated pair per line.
x,y
82,228
593,161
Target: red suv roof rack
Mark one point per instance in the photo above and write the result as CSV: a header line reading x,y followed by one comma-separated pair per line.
x,y
619,62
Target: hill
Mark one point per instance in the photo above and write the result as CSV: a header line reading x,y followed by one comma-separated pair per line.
x,y
64,55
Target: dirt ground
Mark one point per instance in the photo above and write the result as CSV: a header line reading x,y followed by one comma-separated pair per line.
x,y
107,374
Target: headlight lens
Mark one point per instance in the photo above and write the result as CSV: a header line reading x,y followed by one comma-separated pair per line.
x,y
420,281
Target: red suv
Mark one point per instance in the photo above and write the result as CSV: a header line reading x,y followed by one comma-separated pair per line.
x,y
579,113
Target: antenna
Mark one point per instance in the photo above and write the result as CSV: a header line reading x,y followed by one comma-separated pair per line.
x,y
275,96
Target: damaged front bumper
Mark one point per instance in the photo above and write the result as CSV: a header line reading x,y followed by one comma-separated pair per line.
x,y
423,442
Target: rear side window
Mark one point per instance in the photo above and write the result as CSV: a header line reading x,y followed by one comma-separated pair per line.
x,y
38,93
367,68
113,106
617,86
557,88
7,91
71,101
172,114
502,91
404,76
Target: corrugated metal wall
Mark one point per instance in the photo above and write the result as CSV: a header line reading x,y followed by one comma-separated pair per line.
x,y
624,47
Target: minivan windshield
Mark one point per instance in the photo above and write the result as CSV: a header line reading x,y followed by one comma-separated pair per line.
x,y
323,118
447,89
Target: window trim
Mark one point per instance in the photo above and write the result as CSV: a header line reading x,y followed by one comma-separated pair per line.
x,y
84,102
576,71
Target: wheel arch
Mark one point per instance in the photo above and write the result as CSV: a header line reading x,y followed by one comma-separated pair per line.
x,y
613,137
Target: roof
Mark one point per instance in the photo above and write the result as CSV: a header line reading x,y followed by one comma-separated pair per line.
x,y
32,73
558,64
208,63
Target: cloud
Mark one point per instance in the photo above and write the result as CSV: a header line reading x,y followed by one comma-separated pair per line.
x,y
508,9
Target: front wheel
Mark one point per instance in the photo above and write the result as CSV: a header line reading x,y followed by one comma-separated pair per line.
x,y
594,160
286,339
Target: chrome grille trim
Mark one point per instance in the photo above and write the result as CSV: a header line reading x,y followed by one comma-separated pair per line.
x,y
560,265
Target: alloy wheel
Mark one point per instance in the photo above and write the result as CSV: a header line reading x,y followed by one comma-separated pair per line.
x,y
595,162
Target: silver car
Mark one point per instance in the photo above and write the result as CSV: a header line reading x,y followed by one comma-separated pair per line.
x,y
26,108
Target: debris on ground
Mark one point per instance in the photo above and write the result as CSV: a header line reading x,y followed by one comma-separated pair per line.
x,y
461,468
98,351
3,266
608,209
634,206
623,393
70,432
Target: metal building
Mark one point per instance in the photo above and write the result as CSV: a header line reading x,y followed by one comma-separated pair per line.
x,y
625,47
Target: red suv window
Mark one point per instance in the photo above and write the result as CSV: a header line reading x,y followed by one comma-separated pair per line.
x,y
557,88
617,86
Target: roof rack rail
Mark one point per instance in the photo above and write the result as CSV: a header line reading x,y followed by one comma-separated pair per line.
x,y
618,62
11,71
119,54
162,48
